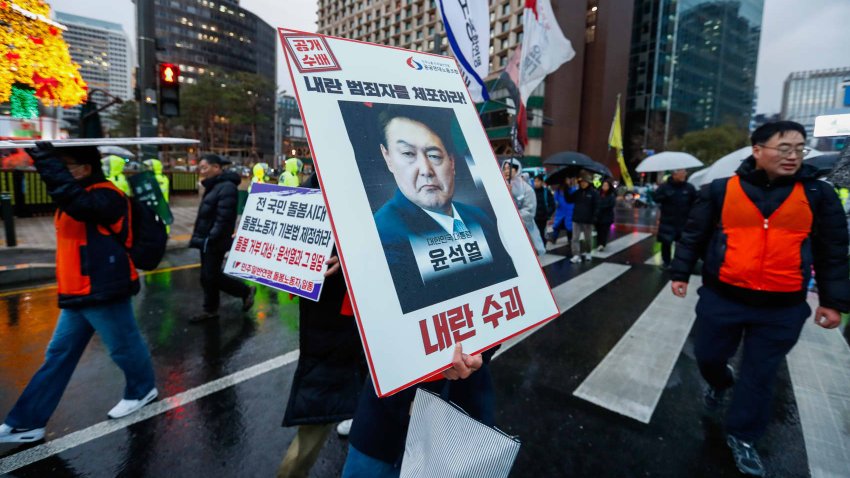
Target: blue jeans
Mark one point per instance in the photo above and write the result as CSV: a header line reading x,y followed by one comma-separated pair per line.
x,y
359,465
116,325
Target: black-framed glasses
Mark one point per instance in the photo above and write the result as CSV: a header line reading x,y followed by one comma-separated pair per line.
x,y
786,151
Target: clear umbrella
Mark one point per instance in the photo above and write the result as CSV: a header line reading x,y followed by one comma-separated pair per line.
x,y
668,161
117,151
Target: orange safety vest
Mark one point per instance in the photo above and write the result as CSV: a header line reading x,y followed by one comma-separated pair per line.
x,y
764,253
72,237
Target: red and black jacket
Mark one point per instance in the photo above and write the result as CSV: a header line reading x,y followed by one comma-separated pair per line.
x,y
92,233
759,239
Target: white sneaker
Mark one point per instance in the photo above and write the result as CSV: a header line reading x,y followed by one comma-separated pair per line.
x,y
576,259
126,407
344,427
586,256
19,435
600,248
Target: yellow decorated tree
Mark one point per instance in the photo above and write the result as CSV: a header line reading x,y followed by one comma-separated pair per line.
x,y
35,59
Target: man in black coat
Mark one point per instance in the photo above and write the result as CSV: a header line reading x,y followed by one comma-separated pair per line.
x,y
675,197
760,233
545,205
213,235
586,200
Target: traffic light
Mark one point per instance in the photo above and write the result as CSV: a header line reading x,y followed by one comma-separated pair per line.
x,y
169,90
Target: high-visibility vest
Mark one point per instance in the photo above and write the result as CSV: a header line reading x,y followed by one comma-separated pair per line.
x,y
764,253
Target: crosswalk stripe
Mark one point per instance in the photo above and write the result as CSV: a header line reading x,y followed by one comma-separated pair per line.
x,y
549,259
631,378
620,244
570,293
654,260
818,366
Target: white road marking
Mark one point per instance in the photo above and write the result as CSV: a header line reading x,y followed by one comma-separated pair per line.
x,y
75,439
621,244
818,366
549,259
570,293
631,378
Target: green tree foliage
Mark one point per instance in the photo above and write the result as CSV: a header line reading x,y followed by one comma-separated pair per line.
x,y
221,108
126,116
711,144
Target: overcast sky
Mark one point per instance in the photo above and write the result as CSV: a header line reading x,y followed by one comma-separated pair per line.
x,y
796,34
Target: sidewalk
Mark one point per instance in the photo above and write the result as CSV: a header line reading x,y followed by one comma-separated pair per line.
x,y
33,259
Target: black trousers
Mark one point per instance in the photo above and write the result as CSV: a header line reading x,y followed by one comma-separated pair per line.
x,y
213,281
768,334
602,231
541,226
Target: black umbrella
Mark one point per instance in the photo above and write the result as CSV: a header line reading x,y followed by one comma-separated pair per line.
x,y
824,162
573,162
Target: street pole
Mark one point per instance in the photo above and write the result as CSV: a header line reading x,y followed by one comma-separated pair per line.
x,y
277,131
147,72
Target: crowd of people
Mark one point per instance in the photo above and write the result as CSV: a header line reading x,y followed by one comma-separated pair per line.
x,y
760,234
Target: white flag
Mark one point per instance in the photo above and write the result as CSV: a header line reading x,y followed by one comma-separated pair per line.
x,y
544,47
468,31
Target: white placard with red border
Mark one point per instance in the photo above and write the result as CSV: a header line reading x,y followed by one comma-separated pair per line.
x,y
431,244
283,240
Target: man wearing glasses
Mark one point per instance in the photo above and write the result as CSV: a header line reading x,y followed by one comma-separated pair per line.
x,y
760,233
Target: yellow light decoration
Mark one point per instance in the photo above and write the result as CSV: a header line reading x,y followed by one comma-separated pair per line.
x,y
33,53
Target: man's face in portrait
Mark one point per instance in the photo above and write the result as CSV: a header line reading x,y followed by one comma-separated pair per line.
x,y
424,171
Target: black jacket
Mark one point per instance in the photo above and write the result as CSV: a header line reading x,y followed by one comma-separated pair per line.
x,y
676,200
826,248
545,204
92,267
216,219
606,208
331,366
587,204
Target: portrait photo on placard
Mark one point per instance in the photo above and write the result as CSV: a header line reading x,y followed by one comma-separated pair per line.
x,y
437,227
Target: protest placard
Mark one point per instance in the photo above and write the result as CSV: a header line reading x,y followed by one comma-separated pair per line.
x,y
283,240
431,244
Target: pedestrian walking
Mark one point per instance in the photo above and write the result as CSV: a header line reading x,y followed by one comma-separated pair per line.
x,y
95,280
525,200
605,217
545,205
213,235
115,165
563,219
586,201
676,196
761,232
376,443
330,372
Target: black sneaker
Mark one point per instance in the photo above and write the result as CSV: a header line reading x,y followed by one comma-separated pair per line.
x,y
746,457
203,316
712,399
248,301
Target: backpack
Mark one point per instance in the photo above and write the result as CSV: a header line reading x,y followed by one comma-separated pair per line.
x,y
149,236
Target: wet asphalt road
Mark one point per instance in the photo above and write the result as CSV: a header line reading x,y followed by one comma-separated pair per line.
x,y
235,431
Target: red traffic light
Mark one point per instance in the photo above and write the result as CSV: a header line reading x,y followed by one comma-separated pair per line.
x,y
169,73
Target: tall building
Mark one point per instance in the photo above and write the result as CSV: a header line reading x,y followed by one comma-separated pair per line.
x,y
571,110
202,36
103,52
692,66
807,94
293,137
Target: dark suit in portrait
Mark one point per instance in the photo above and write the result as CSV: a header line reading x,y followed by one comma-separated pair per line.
x,y
408,232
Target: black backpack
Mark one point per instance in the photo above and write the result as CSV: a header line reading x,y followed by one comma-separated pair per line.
x,y
149,236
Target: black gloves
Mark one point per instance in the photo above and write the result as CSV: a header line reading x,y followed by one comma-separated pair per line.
x,y
43,150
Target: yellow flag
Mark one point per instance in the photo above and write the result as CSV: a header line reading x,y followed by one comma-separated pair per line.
x,y
615,140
